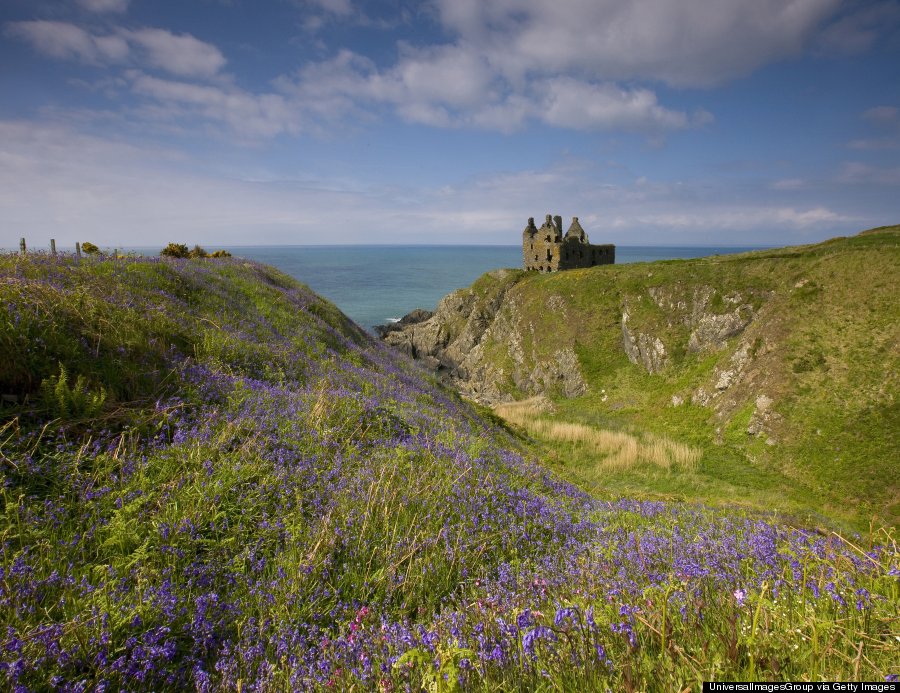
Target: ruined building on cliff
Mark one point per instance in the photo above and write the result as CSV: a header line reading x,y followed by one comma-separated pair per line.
x,y
545,249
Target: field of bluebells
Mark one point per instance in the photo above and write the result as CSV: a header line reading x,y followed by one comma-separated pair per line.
x,y
211,480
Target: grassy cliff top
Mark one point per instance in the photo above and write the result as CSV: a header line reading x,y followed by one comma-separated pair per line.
x,y
211,480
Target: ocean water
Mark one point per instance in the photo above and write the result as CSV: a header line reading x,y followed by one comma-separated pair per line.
x,y
374,285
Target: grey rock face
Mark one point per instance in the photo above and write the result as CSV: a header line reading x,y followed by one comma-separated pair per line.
x,y
563,372
712,320
643,348
452,342
711,331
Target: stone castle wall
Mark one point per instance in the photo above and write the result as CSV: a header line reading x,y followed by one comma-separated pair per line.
x,y
546,249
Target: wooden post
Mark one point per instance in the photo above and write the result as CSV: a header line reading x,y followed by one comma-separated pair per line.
x,y
22,246
77,249
53,246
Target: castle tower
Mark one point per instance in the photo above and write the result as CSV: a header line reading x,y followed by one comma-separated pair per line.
x,y
575,231
530,229
550,231
547,250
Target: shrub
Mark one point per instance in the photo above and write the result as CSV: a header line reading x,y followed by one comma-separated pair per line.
x,y
197,251
89,248
175,250
221,253
71,401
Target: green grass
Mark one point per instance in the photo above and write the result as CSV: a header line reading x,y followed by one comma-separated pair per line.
x,y
823,346
211,480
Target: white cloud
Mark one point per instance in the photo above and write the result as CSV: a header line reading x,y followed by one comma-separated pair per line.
x,y
452,86
341,8
179,54
684,43
857,173
726,220
444,74
875,144
251,115
333,88
69,42
563,62
319,13
577,64
884,116
421,85
104,5
570,103
513,62
886,121
806,217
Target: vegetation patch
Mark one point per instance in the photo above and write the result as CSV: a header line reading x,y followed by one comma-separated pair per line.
x,y
266,499
615,450
780,367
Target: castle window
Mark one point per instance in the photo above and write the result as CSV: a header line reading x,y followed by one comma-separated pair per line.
x,y
548,239
549,255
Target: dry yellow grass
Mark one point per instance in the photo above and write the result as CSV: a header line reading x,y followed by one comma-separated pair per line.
x,y
615,449
519,411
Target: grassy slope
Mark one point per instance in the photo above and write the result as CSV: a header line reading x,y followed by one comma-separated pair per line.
x,y
224,485
825,349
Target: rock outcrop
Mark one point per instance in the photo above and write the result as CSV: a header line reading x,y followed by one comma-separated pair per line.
x,y
414,317
710,318
643,348
460,341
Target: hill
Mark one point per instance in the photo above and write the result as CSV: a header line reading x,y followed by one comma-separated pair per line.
x,y
776,373
211,480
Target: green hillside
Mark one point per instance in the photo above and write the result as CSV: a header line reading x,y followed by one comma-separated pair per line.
x,y
780,368
211,480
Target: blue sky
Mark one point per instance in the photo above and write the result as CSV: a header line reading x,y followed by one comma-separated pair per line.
x,y
656,122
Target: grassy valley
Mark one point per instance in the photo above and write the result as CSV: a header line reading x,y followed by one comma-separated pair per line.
x,y
211,480
778,369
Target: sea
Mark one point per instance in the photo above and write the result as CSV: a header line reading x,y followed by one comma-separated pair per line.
x,y
378,284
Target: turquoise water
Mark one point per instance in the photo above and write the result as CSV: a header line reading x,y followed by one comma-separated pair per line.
x,y
376,284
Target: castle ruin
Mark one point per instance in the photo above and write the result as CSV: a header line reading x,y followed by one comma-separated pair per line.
x,y
545,249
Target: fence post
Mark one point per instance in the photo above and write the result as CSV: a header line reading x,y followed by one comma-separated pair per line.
x,y
22,246
53,246
77,250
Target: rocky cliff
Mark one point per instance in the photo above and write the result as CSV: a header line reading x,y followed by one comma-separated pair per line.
x,y
493,344
460,341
